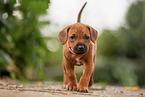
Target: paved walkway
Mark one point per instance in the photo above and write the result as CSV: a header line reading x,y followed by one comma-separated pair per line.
x,y
53,89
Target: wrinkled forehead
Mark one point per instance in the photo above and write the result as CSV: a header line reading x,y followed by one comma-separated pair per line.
x,y
78,29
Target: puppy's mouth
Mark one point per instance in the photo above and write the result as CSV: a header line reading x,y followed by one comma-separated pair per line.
x,y
80,49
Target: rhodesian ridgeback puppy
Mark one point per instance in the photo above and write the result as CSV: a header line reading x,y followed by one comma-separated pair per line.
x,y
79,48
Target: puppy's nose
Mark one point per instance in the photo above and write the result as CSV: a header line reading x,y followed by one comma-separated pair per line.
x,y
81,47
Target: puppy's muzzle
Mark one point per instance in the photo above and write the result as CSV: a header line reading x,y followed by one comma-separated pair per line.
x,y
80,48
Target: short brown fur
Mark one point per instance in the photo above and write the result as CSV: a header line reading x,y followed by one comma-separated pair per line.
x,y
87,58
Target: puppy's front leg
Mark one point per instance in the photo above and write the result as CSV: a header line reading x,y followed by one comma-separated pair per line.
x,y
70,74
84,80
65,79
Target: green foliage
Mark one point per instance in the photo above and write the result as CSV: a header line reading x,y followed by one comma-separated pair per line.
x,y
135,16
5,60
20,37
123,50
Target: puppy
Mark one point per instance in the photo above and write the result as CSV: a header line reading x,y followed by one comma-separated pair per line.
x,y
79,48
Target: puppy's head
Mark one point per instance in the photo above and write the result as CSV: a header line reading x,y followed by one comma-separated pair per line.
x,y
78,37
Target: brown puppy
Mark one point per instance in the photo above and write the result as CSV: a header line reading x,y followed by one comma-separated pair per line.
x,y
79,48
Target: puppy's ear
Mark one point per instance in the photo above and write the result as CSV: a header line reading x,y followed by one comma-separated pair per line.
x,y
93,34
63,35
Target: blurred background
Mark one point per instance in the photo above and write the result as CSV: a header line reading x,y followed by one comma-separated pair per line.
x,y
30,48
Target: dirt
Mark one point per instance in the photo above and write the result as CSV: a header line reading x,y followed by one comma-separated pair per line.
x,y
10,88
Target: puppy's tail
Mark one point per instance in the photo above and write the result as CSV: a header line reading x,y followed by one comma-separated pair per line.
x,y
79,16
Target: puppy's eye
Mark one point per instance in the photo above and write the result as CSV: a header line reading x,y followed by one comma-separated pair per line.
x,y
72,37
86,37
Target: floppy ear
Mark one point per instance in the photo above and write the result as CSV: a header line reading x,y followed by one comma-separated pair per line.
x,y
63,35
93,34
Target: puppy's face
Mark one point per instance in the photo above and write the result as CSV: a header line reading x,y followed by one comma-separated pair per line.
x,y
79,37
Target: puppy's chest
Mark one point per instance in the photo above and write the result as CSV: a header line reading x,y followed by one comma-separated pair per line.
x,y
78,62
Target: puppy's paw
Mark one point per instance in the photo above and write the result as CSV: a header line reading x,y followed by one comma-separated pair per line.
x,y
82,89
72,87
